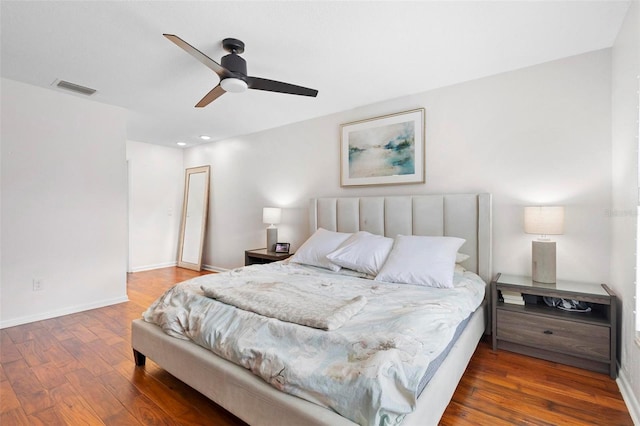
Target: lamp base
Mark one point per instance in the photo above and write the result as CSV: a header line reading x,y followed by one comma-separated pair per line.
x,y
272,238
543,261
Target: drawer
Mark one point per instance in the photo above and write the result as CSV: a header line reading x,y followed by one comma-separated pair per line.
x,y
558,335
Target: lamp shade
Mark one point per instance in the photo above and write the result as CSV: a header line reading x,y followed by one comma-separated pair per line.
x,y
271,215
544,220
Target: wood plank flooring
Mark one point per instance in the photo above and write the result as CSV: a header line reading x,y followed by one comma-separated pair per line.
x,y
79,369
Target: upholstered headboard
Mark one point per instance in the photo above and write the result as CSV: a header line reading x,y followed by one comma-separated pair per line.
x,y
466,216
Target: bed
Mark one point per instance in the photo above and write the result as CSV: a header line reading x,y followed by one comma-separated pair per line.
x,y
253,400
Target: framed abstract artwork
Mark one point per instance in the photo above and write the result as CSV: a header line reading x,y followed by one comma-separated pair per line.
x,y
383,150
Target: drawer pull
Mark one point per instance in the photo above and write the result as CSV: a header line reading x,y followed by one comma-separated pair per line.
x,y
548,332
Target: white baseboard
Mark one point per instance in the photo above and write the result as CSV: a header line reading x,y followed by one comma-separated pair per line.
x,y
213,268
629,398
151,267
60,312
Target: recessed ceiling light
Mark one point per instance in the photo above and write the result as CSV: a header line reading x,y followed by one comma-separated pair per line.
x,y
205,137
181,143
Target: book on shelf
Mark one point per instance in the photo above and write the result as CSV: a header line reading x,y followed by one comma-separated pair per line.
x,y
512,297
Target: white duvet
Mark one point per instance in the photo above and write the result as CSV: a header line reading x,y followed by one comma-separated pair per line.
x,y
368,370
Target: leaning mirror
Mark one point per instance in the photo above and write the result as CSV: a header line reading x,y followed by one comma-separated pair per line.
x,y
194,217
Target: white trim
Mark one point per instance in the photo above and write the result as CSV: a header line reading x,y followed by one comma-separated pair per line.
x,y
58,313
212,268
151,267
633,405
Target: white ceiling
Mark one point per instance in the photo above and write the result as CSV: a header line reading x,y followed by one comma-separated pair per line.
x,y
353,53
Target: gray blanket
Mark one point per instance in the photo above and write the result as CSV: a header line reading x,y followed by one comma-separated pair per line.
x,y
288,303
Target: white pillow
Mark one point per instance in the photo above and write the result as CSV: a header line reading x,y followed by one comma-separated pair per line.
x,y
362,252
461,257
427,261
314,251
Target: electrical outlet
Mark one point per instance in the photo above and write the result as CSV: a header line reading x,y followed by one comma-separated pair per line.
x,y
37,284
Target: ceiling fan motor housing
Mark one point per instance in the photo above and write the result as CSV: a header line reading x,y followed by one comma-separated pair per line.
x,y
235,64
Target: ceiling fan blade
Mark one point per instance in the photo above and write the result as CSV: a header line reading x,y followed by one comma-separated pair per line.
x,y
278,86
210,63
214,94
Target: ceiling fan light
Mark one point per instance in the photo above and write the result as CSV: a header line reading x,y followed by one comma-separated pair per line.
x,y
234,85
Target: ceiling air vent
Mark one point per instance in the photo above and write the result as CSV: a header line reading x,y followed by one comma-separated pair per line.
x,y
75,88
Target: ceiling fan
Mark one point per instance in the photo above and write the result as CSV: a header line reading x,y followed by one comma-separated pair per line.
x,y
233,72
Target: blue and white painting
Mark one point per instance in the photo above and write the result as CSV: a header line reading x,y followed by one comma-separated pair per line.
x,y
383,151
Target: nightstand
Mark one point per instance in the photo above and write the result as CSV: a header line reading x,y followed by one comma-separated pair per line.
x,y
259,256
581,339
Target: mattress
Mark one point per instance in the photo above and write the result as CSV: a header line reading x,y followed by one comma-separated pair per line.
x,y
370,370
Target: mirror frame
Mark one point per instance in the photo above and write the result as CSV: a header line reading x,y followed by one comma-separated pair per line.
x,y
188,172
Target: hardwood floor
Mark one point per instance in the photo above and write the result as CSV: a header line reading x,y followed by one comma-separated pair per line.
x,y
79,369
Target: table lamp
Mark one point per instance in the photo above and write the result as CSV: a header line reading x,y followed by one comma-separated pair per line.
x,y
544,221
271,215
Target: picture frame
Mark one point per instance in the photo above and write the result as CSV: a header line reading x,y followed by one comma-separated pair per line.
x,y
385,150
282,248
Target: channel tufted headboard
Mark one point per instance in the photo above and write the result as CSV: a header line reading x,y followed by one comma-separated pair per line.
x,y
466,216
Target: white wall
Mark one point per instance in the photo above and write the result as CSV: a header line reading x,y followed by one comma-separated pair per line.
x,y
63,204
156,181
536,135
623,220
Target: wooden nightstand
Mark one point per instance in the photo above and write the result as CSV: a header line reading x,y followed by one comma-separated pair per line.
x,y
259,256
582,339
